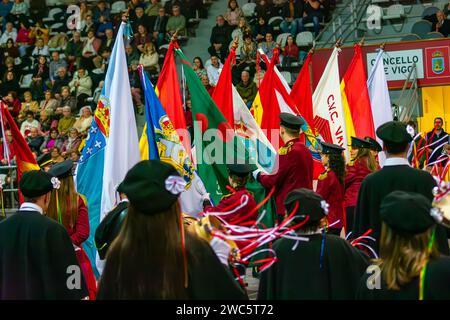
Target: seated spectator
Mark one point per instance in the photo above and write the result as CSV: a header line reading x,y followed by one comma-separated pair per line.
x,y
49,104
5,8
311,13
10,145
207,85
10,51
40,76
81,86
40,49
56,155
101,10
55,65
292,11
261,29
84,10
72,142
214,70
247,57
9,83
86,25
11,66
140,18
263,9
149,59
75,156
90,50
74,50
30,122
290,52
153,8
141,38
23,39
66,122
96,95
9,33
278,7
13,103
34,140
102,26
84,122
52,140
169,4
131,55
159,27
135,85
198,67
442,25
220,39
247,89
233,14
60,81
268,45
39,32
176,22
19,10
107,43
47,123
242,30
29,104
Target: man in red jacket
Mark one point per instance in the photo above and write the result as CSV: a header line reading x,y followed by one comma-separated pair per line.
x,y
295,163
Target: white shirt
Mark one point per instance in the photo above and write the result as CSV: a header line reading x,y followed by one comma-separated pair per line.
x,y
29,206
396,162
7,35
214,73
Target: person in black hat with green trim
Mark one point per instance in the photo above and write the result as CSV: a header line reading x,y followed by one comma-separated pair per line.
x,y
68,208
152,257
295,163
330,185
240,201
36,254
362,163
396,175
410,263
321,267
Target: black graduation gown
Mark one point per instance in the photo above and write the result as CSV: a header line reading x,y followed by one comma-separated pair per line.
x,y
437,285
378,185
109,228
35,254
208,277
297,274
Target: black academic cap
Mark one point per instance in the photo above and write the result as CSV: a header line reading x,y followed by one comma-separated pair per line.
x,y
309,204
35,183
329,148
375,146
152,186
360,143
44,160
394,132
407,212
290,121
62,170
240,170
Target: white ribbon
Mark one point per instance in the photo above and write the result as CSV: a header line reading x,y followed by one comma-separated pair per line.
x,y
175,184
56,183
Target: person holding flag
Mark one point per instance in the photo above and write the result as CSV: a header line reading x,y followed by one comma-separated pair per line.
x,y
295,163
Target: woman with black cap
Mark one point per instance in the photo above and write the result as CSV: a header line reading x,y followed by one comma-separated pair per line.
x,y
322,267
410,266
68,208
362,163
152,257
331,185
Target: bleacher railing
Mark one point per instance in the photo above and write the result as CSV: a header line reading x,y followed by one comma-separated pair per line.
x,y
408,101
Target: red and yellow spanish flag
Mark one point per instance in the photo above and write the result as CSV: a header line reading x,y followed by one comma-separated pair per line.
x,y
356,100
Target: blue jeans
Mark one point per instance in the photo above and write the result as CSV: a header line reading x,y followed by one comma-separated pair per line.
x,y
315,19
290,27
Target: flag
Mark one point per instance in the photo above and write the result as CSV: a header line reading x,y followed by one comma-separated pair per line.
x,y
329,119
164,144
215,141
89,172
355,98
122,147
379,98
24,157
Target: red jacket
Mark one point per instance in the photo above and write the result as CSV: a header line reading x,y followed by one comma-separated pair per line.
x,y
80,232
295,170
356,173
232,201
332,192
